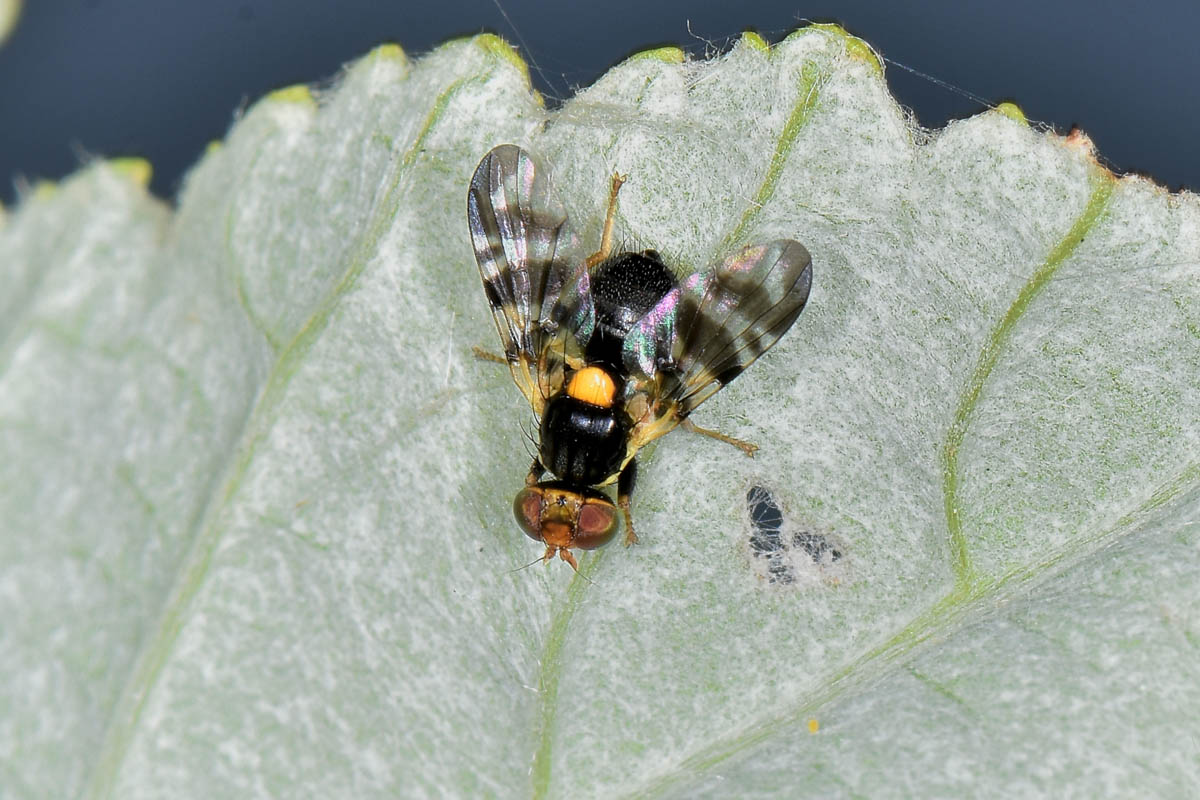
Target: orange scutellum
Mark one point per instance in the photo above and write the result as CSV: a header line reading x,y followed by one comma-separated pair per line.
x,y
593,385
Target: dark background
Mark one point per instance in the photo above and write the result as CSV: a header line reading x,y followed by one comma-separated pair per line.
x,y
162,78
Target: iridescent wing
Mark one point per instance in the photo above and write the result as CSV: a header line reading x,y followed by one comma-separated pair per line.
x,y
536,284
703,333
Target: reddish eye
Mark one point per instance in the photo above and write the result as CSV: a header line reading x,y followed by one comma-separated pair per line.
x,y
527,508
596,524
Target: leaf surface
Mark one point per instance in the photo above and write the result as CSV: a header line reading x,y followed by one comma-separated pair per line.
x,y
256,490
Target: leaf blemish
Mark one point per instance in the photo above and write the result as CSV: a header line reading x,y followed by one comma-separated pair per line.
x,y
786,552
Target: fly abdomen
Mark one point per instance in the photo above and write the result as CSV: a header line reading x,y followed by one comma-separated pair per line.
x,y
580,442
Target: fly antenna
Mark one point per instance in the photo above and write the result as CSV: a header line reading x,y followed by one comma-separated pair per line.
x,y
527,566
547,560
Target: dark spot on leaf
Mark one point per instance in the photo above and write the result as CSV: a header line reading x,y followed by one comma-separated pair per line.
x,y
816,546
782,549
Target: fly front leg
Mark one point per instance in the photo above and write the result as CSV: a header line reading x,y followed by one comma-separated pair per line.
x,y
535,473
611,217
624,495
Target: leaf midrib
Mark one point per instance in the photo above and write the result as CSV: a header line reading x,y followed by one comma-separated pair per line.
x,y
812,79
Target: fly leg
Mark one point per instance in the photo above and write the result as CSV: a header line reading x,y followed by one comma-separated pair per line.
x,y
487,355
746,447
611,217
535,473
624,495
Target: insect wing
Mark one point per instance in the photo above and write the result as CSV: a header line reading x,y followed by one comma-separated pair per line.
x,y
539,293
702,334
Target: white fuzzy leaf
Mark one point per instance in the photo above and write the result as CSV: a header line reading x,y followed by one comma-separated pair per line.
x,y
255,490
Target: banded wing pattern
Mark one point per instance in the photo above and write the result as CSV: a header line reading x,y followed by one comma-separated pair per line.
x,y
537,286
715,324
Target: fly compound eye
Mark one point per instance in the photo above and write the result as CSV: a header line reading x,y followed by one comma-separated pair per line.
x,y
527,508
596,524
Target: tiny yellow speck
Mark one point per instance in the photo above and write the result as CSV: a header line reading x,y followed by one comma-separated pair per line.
x,y
813,726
